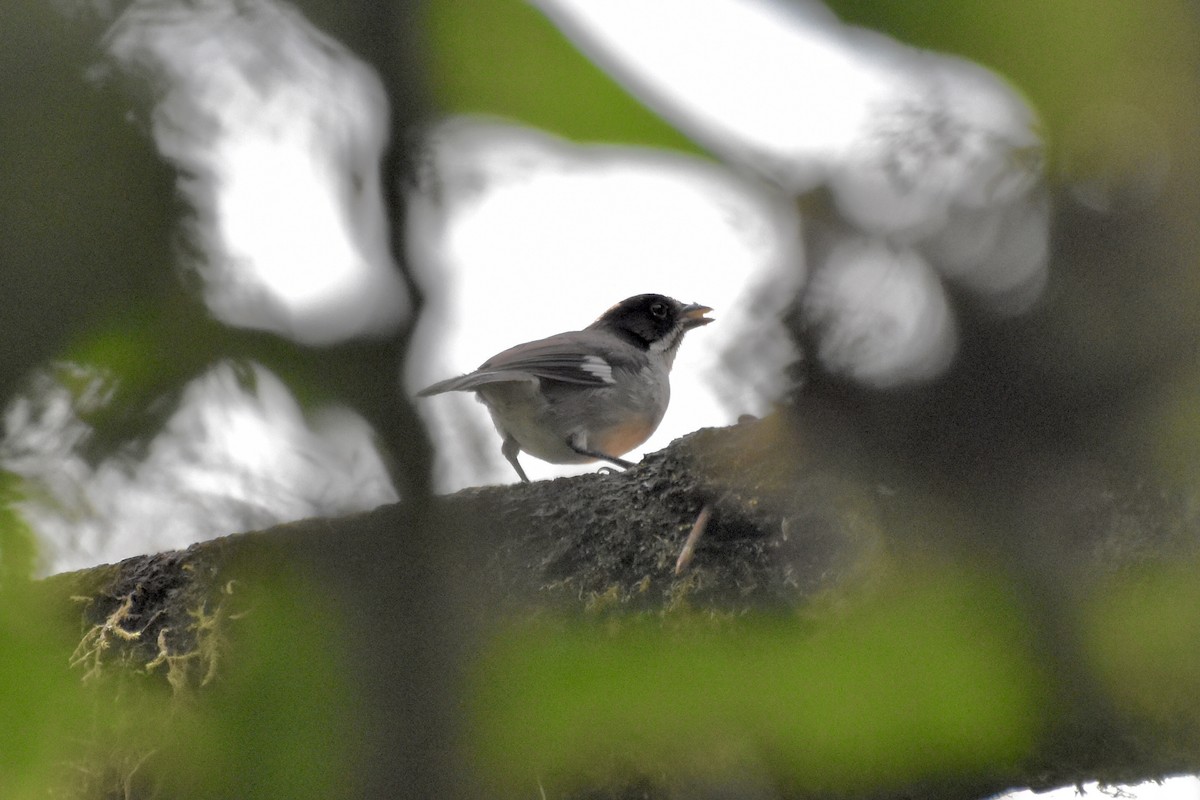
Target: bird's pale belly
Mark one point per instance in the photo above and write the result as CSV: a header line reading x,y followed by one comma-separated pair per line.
x,y
550,439
615,440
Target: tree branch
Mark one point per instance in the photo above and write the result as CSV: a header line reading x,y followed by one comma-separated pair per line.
x,y
794,531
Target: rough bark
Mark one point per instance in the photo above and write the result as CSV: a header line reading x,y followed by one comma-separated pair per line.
x,y
791,523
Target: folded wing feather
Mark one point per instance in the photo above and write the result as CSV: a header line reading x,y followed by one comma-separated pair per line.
x,y
554,359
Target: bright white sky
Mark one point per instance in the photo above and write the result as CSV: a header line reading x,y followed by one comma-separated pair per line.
x,y
520,235
1183,787
529,235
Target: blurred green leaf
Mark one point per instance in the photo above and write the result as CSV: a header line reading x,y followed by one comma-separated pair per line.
x,y
130,347
128,373
1168,429
1079,61
931,677
1143,633
275,723
42,709
18,548
503,57
265,718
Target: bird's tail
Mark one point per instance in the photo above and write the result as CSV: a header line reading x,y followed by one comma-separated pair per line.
x,y
473,380
449,385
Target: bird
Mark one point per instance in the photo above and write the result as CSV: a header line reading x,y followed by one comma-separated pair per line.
x,y
587,395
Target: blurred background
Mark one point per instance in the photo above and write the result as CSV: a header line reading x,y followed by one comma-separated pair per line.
x,y
196,224
973,223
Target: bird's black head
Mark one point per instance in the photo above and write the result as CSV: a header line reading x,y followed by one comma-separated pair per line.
x,y
653,320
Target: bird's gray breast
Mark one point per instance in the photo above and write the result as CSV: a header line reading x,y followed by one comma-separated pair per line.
x,y
546,416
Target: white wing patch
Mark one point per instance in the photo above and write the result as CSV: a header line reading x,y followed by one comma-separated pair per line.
x,y
595,365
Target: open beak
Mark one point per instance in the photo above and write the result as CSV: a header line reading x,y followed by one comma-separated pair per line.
x,y
693,315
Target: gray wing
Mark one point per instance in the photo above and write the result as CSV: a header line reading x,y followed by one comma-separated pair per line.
x,y
565,358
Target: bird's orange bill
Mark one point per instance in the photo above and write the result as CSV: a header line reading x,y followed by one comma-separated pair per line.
x,y
694,315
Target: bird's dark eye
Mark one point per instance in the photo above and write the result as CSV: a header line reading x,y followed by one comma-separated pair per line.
x,y
658,309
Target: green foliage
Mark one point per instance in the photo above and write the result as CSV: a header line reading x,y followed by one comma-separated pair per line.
x,y
39,698
41,703
127,372
1094,69
270,722
1143,632
275,724
17,543
930,677
1167,431
131,347
503,57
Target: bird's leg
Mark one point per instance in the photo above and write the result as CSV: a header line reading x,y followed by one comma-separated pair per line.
x,y
583,451
510,448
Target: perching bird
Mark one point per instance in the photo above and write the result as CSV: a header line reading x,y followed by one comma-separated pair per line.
x,y
585,395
